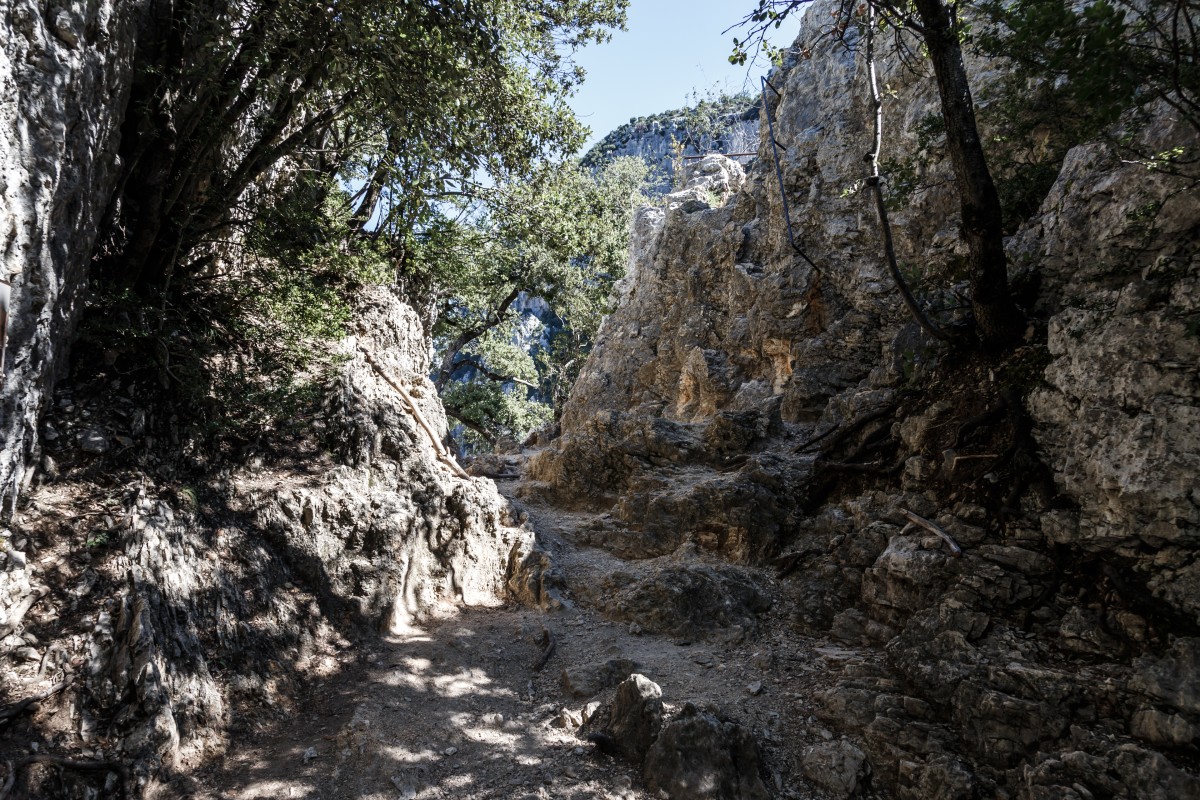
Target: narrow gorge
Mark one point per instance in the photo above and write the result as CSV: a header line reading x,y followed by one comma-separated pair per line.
x,y
780,542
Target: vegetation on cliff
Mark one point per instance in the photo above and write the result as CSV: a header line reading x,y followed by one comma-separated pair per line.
x,y
278,157
1083,66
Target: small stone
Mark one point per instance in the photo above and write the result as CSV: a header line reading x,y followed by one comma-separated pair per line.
x,y
310,754
589,711
449,751
64,29
94,441
407,790
29,654
755,689
837,767
493,720
566,718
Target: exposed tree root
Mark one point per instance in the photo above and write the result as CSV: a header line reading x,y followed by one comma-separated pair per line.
x,y
548,646
438,447
9,713
64,763
840,434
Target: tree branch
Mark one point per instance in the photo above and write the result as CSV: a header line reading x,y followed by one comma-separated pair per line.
x,y
470,334
453,412
487,373
885,228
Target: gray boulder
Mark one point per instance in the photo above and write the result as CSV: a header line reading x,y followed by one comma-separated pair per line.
x,y
702,756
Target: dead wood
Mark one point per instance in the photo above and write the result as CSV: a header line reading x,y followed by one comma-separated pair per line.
x,y
438,448
9,713
548,645
18,612
918,520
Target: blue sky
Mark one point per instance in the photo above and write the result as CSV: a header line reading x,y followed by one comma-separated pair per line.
x,y
672,51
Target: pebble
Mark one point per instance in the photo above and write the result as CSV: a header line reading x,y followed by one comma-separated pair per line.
x,y
407,790
310,754
449,751
754,689
94,441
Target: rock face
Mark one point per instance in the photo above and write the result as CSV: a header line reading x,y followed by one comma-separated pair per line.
x,y
1119,418
729,125
199,616
693,754
744,403
390,527
64,82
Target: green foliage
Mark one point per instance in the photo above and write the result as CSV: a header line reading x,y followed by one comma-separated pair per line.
x,y
767,15
702,126
494,413
1077,70
562,236
235,249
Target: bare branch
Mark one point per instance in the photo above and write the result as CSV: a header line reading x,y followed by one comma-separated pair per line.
x,y
918,520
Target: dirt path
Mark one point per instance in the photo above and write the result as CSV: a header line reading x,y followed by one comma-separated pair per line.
x,y
458,710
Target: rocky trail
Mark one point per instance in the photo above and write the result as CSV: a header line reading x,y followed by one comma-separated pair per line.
x,y
501,702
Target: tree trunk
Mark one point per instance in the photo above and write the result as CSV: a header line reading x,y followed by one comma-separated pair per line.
x,y
1000,322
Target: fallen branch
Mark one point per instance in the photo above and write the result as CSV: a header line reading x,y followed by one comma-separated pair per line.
x,y
548,645
63,763
918,520
873,468
15,710
438,448
955,460
17,613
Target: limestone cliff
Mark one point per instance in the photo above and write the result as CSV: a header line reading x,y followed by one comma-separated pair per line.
x,y
723,125
748,403
165,604
65,72
185,608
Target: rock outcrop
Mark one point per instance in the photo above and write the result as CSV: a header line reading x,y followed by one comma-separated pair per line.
x,y
65,72
664,141
1018,536
217,597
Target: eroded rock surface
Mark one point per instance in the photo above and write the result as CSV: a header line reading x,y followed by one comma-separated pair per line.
x,y
65,74
745,406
